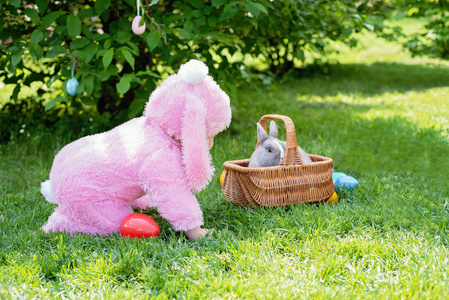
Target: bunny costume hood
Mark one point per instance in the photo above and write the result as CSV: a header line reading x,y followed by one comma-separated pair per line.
x,y
159,159
190,107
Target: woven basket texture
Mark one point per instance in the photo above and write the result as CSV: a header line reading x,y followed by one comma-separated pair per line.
x,y
289,183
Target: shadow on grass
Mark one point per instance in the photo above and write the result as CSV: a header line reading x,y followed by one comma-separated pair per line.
x,y
391,144
373,79
382,143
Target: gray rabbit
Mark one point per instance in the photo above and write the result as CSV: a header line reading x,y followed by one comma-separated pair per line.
x,y
271,150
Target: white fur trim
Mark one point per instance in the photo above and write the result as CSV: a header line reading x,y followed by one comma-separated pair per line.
x,y
193,71
280,149
47,192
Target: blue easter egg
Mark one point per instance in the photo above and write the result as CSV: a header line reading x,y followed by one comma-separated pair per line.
x,y
71,86
336,175
346,182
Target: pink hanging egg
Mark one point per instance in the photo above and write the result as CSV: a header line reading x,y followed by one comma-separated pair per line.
x,y
135,25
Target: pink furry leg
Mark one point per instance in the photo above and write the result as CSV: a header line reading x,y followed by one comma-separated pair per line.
x,y
173,199
143,202
102,217
176,203
60,222
163,177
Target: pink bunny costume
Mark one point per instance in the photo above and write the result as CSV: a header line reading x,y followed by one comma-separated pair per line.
x,y
159,159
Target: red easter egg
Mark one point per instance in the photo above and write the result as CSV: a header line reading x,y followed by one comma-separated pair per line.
x,y
139,225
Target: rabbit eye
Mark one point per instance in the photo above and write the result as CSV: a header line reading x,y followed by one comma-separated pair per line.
x,y
269,149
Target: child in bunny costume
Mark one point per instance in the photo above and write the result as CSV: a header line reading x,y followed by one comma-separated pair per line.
x,y
159,159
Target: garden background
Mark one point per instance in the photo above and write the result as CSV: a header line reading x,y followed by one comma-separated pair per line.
x,y
366,83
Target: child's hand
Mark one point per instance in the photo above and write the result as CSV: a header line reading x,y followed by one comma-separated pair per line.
x,y
197,233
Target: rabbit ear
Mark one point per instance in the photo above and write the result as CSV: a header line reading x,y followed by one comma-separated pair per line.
x,y
273,129
195,148
261,134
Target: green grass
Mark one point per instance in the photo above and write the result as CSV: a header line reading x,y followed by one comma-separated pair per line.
x,y
380,114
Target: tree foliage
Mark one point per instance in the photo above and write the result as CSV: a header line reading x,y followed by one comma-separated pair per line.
x,y
434,38
117,70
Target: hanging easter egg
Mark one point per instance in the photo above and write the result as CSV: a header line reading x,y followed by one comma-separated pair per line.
x,y
346,182
71,86
139,226
135,25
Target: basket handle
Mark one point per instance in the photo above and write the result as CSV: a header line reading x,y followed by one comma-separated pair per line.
x,y
291,156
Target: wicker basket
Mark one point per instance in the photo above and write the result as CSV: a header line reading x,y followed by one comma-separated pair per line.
x,y
292,182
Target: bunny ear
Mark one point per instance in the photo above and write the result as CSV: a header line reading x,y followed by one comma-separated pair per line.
x,y
273,129
261,134
195,148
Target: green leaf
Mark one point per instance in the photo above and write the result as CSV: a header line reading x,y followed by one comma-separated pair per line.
x,y
49,82
124,85
89,101
189,27
153,39
42,5
320,42
228,12
412,11
53,101
110,71
141,93
347,31
73,26
49,19
107,44
218,2
123,37
89,84
80,88
136,108
87,33
11,69
184,33
356,17
79,43
101,5
33,15
128,57
87,13
99,37
55,51
300,55
136,79
154,2
15,3
89,51
36,37
212,21
107,57
369,26
17,57
133,48
101,53
314,48
148,72
255,8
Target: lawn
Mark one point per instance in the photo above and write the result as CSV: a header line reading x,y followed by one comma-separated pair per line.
x,y
379,113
